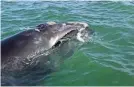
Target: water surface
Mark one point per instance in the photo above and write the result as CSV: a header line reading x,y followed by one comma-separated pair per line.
x,y
107,59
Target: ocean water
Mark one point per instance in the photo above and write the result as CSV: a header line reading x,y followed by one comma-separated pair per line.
x,y
107,59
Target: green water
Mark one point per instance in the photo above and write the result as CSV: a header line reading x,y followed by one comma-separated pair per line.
x,y
107,59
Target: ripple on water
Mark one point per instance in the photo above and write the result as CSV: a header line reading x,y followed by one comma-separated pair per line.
x,y
112,46
119,52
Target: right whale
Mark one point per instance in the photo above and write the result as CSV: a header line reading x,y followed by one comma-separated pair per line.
x,y
37,52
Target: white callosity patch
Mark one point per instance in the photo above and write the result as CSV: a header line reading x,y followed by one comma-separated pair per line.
x,y
64,24
79,37
85,24
81,29
79,34
51,23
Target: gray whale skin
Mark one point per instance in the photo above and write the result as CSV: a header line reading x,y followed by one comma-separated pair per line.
x,y
34,51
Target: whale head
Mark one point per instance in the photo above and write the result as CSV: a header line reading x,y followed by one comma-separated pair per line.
x,y
58,33
63,39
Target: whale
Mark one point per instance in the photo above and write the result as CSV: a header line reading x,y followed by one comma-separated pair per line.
x,y
34,52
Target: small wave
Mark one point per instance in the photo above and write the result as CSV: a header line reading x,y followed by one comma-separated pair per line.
x,y
129,3
108,54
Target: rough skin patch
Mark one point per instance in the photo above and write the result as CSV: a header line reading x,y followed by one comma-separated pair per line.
x,y
51,23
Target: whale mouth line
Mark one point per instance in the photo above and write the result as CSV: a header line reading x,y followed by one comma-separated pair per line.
x,y
65,38
78,35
